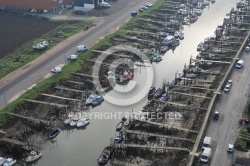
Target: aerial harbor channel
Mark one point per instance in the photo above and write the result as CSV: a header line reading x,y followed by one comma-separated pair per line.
x,y
144,141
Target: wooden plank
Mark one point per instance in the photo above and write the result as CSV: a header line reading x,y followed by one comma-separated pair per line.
x,y
47,103
59,97
110,53
168,126
120,163
68,89
154,147
178,104
31,118
75,82
86,75
197,60
105,64
156,135
191,87
12,141
205,97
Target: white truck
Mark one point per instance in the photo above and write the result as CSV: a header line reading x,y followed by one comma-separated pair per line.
x,y
206,154
81,48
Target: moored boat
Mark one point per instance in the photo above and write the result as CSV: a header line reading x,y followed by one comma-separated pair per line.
x,y
9,162
54,133
181,35
105,156
69,118
82,122
33,156
2,160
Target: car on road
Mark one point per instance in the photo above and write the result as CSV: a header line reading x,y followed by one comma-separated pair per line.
x,y
56,70
227,88
239,64
247,49
144,7
82,48
216,115
230,148
230,82
104,4
148,4
141,10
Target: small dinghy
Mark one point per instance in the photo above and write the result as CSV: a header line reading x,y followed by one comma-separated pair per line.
x,y
9,162
82,122
2,160
33,156
105,156
54,133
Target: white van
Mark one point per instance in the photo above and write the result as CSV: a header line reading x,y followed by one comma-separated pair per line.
x,y
72,57
239,64
207,142
56,70
206,154
81,48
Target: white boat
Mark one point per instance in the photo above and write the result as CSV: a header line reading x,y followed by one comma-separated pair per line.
x,y
33,156
227,18
193,17
82,122
75,119
205,3
9,162
2,160
176,34
126,123
69,118
197,11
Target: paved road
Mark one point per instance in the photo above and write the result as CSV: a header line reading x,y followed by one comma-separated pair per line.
x,y
230,107
38,70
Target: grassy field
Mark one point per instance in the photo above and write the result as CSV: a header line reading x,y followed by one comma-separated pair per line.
x,y
19,56
74,66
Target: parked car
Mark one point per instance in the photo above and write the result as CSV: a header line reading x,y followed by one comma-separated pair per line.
x,y
144,7
104,4
247,49
230,148
148,4
72,57
227,88
81,48
141,10
56,70
230,82
239,64
216,116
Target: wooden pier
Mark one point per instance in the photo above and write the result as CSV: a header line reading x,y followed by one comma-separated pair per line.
x,y
47,103
156,135
31,119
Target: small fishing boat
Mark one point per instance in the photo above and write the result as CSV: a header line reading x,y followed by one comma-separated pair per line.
x,y
126,123
69,118
163,49
98,100
176,34
2,160
205,3
54,133
105,156
158,92
9,162
33,156
193,17
82,122
181,35
155,57
200,46
119,126
197,11
164,97
174,43
191,75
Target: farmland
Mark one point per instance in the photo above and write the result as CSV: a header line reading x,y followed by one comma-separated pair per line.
x,y
17,29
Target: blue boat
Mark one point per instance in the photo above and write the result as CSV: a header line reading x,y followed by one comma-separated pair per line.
x,y
54,133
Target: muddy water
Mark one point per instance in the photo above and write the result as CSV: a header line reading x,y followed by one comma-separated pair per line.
x,y
82,147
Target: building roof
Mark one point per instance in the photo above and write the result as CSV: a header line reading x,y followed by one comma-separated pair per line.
x,y
82,2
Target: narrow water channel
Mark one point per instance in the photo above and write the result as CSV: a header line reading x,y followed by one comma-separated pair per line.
x,y
82,147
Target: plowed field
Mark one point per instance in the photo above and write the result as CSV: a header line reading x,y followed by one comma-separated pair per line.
x,y
17,29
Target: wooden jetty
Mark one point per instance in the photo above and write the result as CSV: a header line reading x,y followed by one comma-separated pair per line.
x,y
110,53
156,135
47,103
69,89
12,141
59,97
177,104
167,126
120,163
30,118
86,75
154,147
